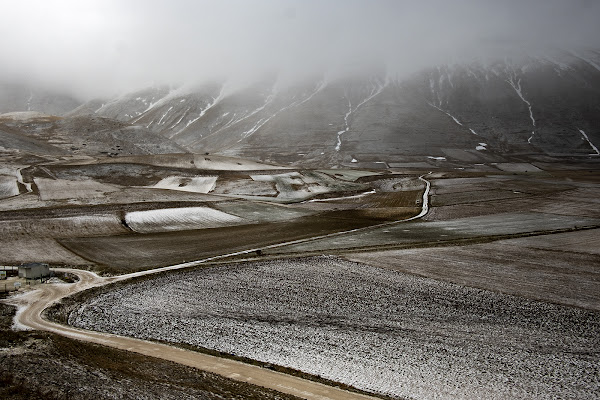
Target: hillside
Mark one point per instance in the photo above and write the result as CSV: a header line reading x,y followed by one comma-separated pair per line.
x,y
532,107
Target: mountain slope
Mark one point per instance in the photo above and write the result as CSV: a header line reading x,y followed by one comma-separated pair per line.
x,y
482,111
81,135
19,97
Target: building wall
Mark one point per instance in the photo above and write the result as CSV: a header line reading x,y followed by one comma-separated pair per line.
x,y
34,271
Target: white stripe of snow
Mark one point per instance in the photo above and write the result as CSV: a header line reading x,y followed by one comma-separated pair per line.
x,y
170,95
268,100
321,86
164,115
375,90
180,118
517,87
356,196
449,77
340,133
202,112
448,114
590,143
455,120
29,100
263,121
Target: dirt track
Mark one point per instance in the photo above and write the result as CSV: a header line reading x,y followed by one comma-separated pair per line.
x,y
32,304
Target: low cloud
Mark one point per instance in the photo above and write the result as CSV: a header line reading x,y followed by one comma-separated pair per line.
x,y
103,47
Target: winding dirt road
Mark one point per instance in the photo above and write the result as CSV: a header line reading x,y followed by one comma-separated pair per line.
x,y
29,316
31,304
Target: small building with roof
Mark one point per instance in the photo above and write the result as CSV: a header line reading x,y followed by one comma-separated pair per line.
x,y
34,271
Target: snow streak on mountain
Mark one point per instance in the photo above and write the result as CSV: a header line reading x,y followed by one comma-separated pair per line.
x,y
478,111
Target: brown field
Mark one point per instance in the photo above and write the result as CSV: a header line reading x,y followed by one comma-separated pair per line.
x,y
135,252
560,268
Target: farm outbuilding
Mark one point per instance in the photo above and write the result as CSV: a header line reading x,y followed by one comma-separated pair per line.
x,y
34,271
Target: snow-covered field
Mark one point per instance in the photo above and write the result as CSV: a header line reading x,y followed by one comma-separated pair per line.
x,y
197,184
178,219
246,187
375,329
296,186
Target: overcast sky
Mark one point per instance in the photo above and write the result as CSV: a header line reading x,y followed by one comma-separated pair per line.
x,y
98,47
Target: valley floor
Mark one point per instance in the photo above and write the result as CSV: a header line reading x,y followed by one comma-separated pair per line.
x,y
507,263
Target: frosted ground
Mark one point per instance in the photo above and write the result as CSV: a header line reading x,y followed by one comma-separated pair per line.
x,y
175,219
375,329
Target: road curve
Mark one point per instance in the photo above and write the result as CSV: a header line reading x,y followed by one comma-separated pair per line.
x,y
29,316
32,303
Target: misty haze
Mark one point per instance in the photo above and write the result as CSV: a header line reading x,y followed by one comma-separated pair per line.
x,y
267,199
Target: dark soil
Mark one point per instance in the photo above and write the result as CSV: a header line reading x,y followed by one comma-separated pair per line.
x,y
137,252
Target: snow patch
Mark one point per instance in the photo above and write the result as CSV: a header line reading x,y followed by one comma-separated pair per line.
x,y
197,184
597,153
516,85
176,219
447,113
164,115
356,196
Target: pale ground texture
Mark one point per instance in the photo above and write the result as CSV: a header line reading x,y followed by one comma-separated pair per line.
x,y
376,329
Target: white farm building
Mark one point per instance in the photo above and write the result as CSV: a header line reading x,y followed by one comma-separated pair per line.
x,y
34,271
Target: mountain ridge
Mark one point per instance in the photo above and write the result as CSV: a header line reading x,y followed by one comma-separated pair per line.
x,y
474,112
